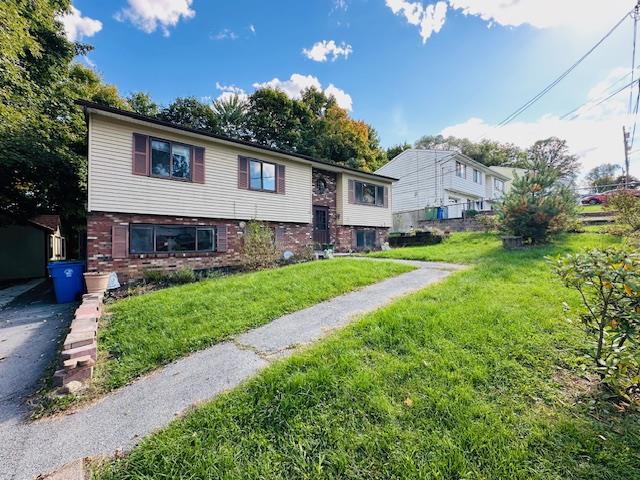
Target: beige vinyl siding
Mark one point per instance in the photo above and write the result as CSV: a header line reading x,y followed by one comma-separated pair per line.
x,y
114,188
361,215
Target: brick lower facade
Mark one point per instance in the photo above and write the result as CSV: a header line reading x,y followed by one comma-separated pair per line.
x,y
99,247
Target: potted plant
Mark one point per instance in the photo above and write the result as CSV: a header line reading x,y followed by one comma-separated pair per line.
x,y
97,282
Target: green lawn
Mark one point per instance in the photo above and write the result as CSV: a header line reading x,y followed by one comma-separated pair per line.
x,y
477,377
590,208
151,330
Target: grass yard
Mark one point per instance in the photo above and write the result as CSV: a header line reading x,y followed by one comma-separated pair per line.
x,y
154,329
590,208
477,377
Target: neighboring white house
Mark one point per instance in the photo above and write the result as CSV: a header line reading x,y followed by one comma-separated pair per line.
x,y
440,178
511,173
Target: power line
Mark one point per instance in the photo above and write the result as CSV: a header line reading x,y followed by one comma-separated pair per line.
x,y
603,100
606,90
544,91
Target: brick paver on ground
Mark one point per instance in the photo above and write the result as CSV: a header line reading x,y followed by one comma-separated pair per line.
x,y
123,417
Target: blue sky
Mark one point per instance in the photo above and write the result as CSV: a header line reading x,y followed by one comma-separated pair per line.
x,y
407,67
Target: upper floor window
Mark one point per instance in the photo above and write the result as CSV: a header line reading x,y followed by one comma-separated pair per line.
x,y
498,185
369,194
262,176
477,176
461,170
171,160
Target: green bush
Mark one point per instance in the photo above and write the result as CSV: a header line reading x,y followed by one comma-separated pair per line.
x,y
538,205
155,276
627,208
609,284
259,250
183,275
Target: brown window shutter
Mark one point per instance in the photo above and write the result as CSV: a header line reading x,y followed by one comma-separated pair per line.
x,y
198,165
140,154
279,237
221,238
352,191
119,241
243,173
386,197
280,179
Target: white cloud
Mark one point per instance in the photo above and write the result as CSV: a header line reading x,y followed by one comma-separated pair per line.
x,y
343,99
430,19
225,34
320,51
546,13
595,136
148,15
252,27
297,83
77,27
574,14
228,91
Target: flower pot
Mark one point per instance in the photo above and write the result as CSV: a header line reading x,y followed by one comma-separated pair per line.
x,y
96,282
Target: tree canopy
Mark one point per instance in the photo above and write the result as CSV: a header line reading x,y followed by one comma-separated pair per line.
x,y
603,177
487,152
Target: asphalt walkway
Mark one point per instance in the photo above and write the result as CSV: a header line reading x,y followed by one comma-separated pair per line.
x,y
122,418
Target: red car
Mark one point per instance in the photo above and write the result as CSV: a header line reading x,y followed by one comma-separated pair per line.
x,y
594,199
600,198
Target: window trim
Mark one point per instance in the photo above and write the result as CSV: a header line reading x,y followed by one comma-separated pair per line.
x,y
375,200
153,226
262,163
171,144
462,172
496,182
477,176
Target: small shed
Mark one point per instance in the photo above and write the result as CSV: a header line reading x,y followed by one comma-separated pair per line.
x,y
26,247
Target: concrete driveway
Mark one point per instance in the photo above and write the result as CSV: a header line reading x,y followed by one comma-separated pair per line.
x,y
31,325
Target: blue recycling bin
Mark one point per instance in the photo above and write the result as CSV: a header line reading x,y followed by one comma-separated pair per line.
x,y
68,282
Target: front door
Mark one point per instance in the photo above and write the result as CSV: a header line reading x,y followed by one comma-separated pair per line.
x,y
320,226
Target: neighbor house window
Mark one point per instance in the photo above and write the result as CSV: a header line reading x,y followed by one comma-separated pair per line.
x,y
262,176
369,194
477,176
498,185
170,160
365,239
461,170
171,238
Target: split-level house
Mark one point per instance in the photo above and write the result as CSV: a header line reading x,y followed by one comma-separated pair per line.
x,y
162,196
437,178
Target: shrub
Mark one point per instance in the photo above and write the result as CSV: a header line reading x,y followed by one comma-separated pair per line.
x,y
183,275
609,284
259,249
627,208
490,223
470,213
155,276
537,206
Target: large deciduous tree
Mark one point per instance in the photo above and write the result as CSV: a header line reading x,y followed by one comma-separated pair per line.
x,y
42,132
487,152
554,152
603,177
190,112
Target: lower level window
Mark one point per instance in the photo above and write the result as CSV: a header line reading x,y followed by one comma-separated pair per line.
x,y
171,238
365,238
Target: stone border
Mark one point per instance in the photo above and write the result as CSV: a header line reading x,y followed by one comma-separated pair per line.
x,y
79,351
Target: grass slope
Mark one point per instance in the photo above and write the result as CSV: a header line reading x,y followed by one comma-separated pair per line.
x,y
154,329
473,378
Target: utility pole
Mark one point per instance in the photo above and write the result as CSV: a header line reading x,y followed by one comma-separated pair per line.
x,y
625,138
